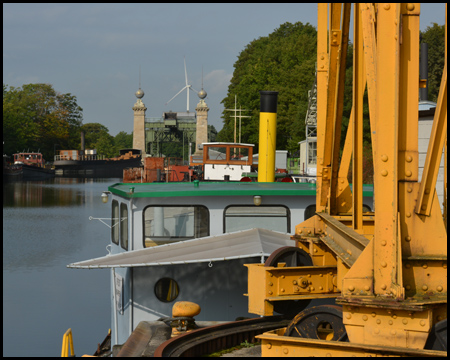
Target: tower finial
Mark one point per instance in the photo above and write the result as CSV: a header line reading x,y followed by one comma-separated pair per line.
x,y
202,93
139,76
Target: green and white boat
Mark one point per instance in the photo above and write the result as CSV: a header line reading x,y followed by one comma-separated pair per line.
x,y
188,242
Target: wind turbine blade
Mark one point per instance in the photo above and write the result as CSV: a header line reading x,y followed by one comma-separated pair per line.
x,y
190,87
176,95
185,71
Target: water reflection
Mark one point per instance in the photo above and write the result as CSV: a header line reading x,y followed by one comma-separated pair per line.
x,y
51,192
45,227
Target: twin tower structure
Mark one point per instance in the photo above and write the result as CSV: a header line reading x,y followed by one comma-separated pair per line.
x,y
150,134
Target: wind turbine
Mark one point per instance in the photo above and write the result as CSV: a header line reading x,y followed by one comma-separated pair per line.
x,y
187,87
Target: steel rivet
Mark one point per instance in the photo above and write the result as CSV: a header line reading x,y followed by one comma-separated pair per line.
x,y
408,238
384,157
408,158
425,266
282,290
269,345
348,316
270,283
383,243
409,190
285,350
374,314
390,322
410,7
367,288
422,322
387,7
320,288
408,173
424,207
377,331
439,288
408,215
270,292
351,288
424,288
294,282
383,287
393,332
427,191
404,321
378,321
383,264
384,172
365,317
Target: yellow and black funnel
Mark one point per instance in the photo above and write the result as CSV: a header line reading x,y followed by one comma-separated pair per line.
x,y
267,136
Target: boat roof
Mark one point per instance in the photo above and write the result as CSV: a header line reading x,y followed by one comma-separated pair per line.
x,y
226,143
177,189
235,245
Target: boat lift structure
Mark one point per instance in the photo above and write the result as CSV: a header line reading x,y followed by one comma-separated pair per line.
x,y
387,269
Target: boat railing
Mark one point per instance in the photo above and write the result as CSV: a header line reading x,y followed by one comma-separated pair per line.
x,y
80,157
67,340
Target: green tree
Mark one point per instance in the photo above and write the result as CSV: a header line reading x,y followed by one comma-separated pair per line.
x,y
284,61
434,36
123,140
36,117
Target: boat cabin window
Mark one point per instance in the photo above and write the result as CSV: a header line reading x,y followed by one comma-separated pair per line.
x,y
124,226
115,222
243,217
217,153
166,224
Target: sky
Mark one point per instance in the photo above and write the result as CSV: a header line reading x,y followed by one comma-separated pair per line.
x,y
95,51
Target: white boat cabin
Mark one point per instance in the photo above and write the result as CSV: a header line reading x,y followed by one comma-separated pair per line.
x,y
189,242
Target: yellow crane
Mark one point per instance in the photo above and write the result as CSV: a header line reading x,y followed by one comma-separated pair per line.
x,y
387,269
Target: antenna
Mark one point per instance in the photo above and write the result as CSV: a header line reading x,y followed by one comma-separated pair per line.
x,y
187,87
237,116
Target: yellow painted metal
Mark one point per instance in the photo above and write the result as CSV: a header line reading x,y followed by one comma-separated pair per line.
x,y
288,283
275,344
434,153
267,146
322,89
391,265
408,160
386,150
67,340
358,92
342,57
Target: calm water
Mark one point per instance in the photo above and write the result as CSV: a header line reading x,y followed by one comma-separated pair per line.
x,y
45,227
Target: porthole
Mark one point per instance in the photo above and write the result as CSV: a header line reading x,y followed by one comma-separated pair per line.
x,y
166,289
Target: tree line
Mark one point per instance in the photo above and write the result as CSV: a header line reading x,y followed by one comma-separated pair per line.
x,y
284,61
37,117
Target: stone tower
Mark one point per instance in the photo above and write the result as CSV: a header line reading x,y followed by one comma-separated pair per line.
x,y
139,123
202,123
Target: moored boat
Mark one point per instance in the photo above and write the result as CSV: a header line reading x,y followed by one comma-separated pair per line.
x,y
189,241
33,165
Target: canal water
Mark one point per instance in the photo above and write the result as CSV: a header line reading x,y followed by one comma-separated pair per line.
x,y
45,227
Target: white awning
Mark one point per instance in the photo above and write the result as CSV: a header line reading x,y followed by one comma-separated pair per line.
x,y
236,245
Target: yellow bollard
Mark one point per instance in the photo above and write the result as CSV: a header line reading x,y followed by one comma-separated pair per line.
x,y
267,136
